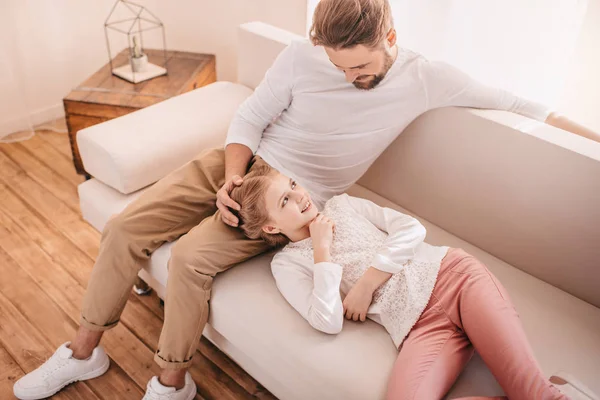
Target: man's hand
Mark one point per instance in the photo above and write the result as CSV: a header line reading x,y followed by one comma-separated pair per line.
x,y
564,123
224,201
357,301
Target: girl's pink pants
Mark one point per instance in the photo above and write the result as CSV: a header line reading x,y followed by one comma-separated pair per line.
x,y
469,310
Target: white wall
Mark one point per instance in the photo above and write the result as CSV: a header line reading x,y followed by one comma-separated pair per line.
x,y
580,98
211,26
49,47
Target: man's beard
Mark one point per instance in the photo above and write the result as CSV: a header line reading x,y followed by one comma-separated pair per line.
x,y
375,79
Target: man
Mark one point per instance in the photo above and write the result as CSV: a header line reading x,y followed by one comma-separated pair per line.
x,y
324,112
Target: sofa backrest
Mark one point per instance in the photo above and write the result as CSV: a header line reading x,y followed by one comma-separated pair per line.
x,y
530,199
258,46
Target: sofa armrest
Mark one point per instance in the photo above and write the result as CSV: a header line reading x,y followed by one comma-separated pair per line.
x,y
137,149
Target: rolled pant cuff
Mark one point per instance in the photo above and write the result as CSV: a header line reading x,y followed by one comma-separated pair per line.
x,y
164,364
96,328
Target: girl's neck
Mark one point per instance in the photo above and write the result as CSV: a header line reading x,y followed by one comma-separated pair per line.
x,y
301,234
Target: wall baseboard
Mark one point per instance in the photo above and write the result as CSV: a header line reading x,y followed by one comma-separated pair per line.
x,y
48,114
27,122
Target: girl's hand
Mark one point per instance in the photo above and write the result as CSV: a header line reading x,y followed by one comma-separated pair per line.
x,y
357,301
321,232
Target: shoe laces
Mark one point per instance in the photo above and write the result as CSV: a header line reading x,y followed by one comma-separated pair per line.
x,y
53,364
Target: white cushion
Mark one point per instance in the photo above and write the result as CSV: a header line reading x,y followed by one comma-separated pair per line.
x,y
136,150
253,323
98,202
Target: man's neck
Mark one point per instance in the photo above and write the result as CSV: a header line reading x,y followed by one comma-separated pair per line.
x,y
395,51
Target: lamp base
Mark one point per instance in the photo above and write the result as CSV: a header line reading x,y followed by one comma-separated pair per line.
x,y
152,71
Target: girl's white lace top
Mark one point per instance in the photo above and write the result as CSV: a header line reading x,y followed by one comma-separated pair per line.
x,y
366,235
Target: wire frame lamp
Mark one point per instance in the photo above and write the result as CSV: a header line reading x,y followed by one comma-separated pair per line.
x,y
132,20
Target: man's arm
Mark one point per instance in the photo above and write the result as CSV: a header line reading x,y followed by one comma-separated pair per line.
x,y
237,158
564,123
270,98
446,85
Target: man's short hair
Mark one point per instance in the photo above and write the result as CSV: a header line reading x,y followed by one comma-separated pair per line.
x,y
342,24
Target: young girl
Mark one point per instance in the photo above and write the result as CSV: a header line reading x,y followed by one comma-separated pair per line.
x,y
437,303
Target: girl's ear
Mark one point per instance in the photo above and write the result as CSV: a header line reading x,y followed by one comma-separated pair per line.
x,y
271,230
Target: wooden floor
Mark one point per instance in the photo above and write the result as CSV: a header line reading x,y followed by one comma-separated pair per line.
x,y
46,254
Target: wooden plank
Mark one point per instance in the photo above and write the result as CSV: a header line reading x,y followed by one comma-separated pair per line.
x,y
93,81
207,79
195,56
115,91
63,288
42,174
10,372
37,198
202,77
104,96
133,358
213,383
59,141
123,347
153,303
61,251
53,159
48,308
180,71
103,111
29,348
58,126
49,239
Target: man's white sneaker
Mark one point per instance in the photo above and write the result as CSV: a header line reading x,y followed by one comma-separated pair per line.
x,y
156,391
58,371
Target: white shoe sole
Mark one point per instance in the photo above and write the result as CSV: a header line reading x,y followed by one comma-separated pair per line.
x,y
90,375
192,395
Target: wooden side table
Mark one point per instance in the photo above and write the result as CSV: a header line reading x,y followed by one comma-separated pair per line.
x,y
104,96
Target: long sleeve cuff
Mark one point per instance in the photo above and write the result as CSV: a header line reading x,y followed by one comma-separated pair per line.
x,y
241,134
384,264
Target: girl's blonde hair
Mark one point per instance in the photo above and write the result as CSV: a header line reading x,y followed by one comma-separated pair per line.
x,y
253,215
342,24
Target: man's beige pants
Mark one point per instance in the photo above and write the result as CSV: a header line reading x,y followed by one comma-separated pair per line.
x,y
181,205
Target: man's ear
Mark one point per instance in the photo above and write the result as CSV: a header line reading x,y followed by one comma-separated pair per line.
x,y
391,37
271,230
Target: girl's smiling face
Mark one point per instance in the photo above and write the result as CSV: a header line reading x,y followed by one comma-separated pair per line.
x,y
289,207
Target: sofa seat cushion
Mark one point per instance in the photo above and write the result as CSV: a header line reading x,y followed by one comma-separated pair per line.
x,y
296,362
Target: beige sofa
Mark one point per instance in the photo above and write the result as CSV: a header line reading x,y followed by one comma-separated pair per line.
x,y
526,203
